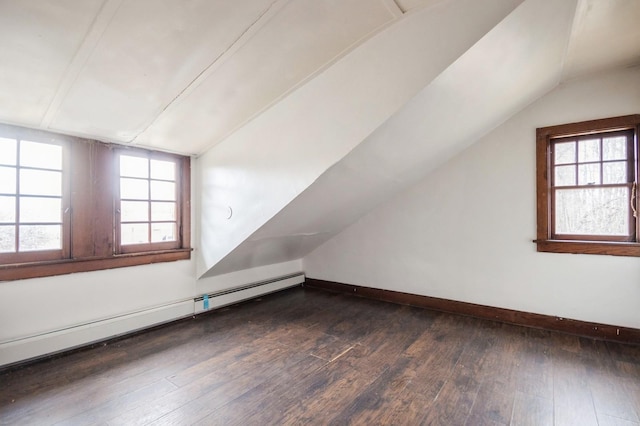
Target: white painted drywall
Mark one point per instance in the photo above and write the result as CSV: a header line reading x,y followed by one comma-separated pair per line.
x,y
283,48
512,65
465,231
41,305
259,169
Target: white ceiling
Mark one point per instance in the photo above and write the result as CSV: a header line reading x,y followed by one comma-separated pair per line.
x,y
182,75
606,34
175,75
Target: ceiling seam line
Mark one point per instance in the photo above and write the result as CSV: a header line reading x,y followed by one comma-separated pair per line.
x,y
67,81
194,82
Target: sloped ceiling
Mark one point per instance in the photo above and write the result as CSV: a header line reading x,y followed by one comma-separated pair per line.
x,y
254,173
513,64
196,76
605,35
168,74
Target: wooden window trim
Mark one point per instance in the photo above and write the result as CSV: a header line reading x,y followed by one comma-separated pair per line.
x,y
628,134
544,240
23,134
182,168
69,266
91,214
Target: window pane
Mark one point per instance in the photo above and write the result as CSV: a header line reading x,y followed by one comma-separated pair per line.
x,y
589,150
7,209
39,182
42,155
134,233
134,166
7,239
589,174
163,232
47,210
40,237
565,176
614,172
614,148
165,170
134,211
7,180
163,190
163,211
136,189
592,211
564,153
8,152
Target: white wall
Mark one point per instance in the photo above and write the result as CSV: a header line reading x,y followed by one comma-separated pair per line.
x,y
40,305
265,164
247,276
465,231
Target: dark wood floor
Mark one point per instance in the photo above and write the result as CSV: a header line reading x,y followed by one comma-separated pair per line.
x,y
306,356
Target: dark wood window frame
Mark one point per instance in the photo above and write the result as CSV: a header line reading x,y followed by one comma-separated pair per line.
x,y
150,155
90,229
29,135
546,240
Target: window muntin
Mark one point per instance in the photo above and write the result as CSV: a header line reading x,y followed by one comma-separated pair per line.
x,y
32,198
88,173
148,201
587,178
592,177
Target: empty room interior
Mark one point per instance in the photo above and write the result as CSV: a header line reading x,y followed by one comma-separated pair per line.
x,y
320,212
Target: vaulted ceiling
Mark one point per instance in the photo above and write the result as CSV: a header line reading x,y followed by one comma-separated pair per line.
x,y
355,98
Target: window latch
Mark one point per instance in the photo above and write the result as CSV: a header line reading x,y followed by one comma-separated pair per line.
x,y
634,189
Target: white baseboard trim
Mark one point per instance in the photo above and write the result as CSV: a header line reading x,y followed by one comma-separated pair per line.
x,y
24,349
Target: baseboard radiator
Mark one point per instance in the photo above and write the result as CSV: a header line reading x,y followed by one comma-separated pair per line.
x,y
33,347
230,296
20,350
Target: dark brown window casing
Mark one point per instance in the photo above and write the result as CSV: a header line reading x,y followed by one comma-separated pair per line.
x,y
572,172
90,216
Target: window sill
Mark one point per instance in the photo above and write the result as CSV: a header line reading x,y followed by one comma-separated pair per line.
x,y
589,247
18,271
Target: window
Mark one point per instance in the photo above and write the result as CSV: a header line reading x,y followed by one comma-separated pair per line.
x,y
587,176
148,202
71,205
33,194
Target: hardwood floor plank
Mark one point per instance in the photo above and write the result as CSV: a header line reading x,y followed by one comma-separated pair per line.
x,y
529,410
611,398
258,402
493,405
328,389
305,356
573,404
536,377
605,420
455,400
366,407
632,387
127,401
